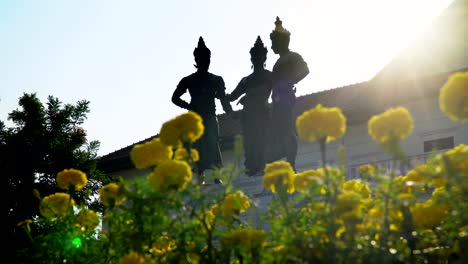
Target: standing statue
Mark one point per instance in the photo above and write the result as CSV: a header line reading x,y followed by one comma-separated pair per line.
x,y
288,70
256,89
203,88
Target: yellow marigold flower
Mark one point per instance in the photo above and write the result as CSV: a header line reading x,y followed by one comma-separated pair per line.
x,y
71,178
246,238
56,205
187,127
182,154
458,157
453,97
395,123
438,182
366,169
132,258
327,123
170,134
375,212
112,194
348,201
428,214
87,219
170,175
191,126
417,174
150,153
235,203
358,187
403,185
306,180
278,173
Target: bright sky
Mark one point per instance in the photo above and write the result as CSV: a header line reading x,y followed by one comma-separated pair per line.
x,y
126,57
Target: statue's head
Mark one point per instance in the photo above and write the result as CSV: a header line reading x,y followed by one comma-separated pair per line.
x,y
258,53
202,56
279,37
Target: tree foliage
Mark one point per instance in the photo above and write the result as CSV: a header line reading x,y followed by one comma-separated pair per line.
x,y
44,140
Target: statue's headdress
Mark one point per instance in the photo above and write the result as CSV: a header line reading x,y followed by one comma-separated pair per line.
x,y
258,50
280,31
201,50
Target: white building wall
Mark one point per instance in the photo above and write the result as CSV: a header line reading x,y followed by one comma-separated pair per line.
x,y
429,124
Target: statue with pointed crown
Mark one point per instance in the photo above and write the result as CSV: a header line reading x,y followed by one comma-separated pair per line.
x,y
204,87
289,69
255,90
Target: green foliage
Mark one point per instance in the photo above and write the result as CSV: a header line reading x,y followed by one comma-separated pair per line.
x,y
320,225
44,140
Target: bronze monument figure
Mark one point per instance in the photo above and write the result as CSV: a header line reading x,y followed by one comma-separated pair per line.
x,y
204,87
256,89
289,69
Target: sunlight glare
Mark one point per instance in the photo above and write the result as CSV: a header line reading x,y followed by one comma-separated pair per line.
x,y
371,34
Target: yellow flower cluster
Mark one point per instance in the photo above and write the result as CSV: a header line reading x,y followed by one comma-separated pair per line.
x,y
393,124
170,175
112,194
366,169
186,128
413,181
56,205
247,238
348,202
235,203
428,214
453,97
416,174
87,220
132,258
458,157
182,154
307,179
150,153
358,187
277,175
321,123
71,178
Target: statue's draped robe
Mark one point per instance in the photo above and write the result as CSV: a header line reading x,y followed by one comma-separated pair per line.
x,y
203,89
255,117
287,71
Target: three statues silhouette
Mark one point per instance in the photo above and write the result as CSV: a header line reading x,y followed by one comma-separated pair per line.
x,y
268,130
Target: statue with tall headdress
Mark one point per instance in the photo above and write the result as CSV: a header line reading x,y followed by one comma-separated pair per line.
x,y
255,89
288,70
204,87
